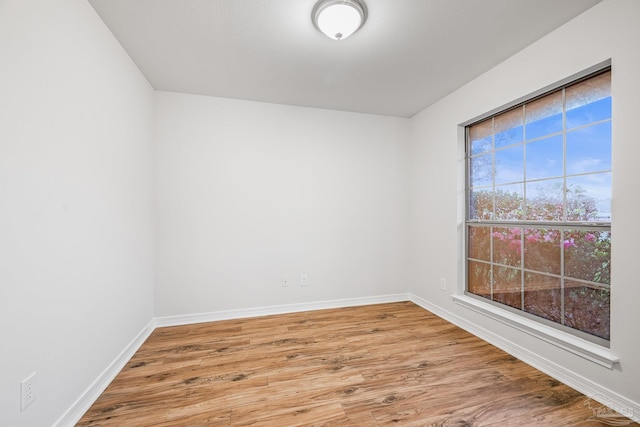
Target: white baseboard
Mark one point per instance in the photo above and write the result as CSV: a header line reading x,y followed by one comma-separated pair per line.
x,y
91,394
590,389
188,319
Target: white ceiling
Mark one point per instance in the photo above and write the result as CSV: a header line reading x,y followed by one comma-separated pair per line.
x,y
409,54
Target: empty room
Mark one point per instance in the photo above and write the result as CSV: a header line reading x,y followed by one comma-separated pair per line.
x,y
319,212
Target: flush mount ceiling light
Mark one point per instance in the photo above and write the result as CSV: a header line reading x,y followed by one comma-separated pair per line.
x,y
338,19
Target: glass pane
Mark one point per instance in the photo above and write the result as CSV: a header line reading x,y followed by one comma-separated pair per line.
x,y
589,149
481,170
587,308
480,137
481,204
479,277
587,255
542,250
545,200
588,101
509,202
543,296
544,158
589,197
561,272
509,165
507,287
480,243
544,116
507,245
507,127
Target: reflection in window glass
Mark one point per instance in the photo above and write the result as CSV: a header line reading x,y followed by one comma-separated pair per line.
x,y
481,204
587,255
481,137
543,296
589,197
539,207
508,202
587,308
479,278
481,170
544,116
588,101
479,244
507,287
542,250
507,128
589,113
545,200
507,244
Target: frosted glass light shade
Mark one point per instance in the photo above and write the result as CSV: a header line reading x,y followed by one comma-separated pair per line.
x,y
338,19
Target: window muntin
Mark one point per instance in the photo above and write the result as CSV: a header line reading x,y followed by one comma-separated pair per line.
x,y
539,207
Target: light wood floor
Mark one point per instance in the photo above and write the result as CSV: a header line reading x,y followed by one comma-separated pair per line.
x,y
378,365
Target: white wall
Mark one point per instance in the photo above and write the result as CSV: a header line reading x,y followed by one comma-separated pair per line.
x,y
76,230
246,193
249,192
609,30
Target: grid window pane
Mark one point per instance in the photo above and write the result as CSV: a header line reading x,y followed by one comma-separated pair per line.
x,y
545,200
544,116
481,204
509,165
480,137
588,101
481,169
587,308
539,207
507,244
543,296
479,278
589,113
507,287
587,255
479,243
589,197
542,250
589,149
508,128
509,202
544,158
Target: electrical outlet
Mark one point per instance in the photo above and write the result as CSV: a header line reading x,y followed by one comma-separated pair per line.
x,y
27,391
443,284
285,281
304,280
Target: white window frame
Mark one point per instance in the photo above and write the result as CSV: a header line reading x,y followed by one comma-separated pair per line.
x,y
595,352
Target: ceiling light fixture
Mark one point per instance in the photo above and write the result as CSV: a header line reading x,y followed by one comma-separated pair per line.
x,y
338,19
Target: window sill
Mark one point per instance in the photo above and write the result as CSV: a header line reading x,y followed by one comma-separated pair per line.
x,y
583,348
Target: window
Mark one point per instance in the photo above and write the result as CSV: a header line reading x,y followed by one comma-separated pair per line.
x,y
538,221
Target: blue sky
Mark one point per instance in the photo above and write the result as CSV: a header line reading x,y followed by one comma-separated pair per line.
x,y
588,153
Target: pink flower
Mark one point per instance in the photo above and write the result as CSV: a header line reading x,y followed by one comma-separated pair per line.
x,y
532,238
569,243
498,235
590,238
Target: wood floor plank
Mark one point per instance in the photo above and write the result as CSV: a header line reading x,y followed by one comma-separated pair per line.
x,y
377,365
